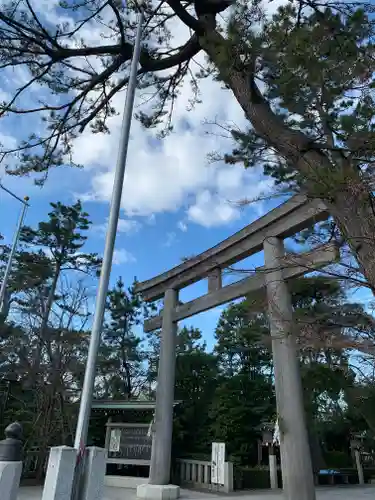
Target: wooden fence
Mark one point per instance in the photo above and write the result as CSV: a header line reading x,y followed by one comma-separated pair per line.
x,y
197,474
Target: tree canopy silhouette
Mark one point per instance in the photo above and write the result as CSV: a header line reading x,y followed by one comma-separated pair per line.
x,y
303,78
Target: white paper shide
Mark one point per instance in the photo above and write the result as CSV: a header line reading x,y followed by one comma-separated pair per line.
x,y
114,442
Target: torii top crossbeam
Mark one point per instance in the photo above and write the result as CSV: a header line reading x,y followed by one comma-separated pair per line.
x,y
289,218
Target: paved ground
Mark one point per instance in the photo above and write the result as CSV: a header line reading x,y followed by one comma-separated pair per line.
x,y
334,493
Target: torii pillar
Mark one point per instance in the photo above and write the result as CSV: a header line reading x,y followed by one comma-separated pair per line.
x,y
158,487
297,473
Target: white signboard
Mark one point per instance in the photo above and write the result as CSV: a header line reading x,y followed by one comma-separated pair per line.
x,y
114,442
217,463
276,433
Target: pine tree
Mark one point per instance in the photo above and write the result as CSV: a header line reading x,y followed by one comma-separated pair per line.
x,y
121,355
316,67
54,314
61,238
240,340
303,78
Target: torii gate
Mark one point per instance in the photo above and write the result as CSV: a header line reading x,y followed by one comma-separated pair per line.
x,y
267,233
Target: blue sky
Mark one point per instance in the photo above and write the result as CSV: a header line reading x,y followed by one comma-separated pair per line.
x,y
148,246
175,202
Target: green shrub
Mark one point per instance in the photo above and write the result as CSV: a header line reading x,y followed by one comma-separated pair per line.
x,y
337,459
202,457
252,478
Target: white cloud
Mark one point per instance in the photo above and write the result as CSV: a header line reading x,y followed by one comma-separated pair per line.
x,y
182,226
211,210
170,239
122,256
127,226
168,175
173,174
7,142
151,220
222,206
4,96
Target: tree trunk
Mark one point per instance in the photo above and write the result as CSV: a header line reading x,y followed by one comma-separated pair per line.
x,y
355,216
44,431
50,300
5,307
45,318
335,180
125,366
317,459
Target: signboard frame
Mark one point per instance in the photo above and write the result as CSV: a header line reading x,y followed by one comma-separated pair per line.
x,y
111,426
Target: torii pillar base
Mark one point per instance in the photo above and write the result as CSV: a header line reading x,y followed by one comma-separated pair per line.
x,y
158,492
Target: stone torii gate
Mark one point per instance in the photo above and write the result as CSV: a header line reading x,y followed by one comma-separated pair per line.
x,y
266,233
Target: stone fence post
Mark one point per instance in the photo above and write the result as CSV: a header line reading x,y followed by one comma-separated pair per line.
x,y
11,462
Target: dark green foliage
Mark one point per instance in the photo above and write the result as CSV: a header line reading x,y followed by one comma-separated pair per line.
x,y
361,397
196,381
30,269
249,478
60,239
240,336
63,235
188,340
241,396
216,403
315,60
240,405
225,394
121,355
337,459
245,397
44,340
318,68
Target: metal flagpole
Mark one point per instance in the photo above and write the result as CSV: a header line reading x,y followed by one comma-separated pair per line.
x,y
16,236
88,385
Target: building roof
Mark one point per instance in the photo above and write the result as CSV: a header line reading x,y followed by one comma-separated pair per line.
x,y
109,404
